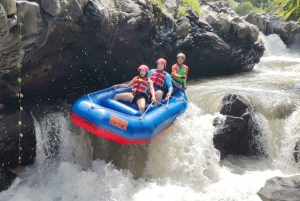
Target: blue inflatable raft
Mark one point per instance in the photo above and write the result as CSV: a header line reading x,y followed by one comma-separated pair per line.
x,y
122,122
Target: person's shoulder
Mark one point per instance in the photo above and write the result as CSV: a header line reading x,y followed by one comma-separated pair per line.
x,y
186,66
151,71
174,66
167,74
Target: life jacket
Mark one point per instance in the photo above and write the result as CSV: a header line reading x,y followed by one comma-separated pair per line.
x,y
180,71
158,78
140,85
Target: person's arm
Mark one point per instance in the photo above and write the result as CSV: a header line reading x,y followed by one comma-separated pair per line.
x,y
125,85
169,85
174,72
151,88
186,71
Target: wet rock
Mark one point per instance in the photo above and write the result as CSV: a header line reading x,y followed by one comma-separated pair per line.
x,y
238,133
170,6
11,44
261,20
182,26
9,6
297,151
6,179
51,6
289,31
281,189
244,29
9,138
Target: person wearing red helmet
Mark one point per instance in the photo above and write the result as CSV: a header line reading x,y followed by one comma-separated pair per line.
x,y
160,78
180,71
140,90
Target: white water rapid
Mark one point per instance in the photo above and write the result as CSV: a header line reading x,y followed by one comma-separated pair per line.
x,y
181,163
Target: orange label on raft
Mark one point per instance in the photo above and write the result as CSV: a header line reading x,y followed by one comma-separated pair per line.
x,y
118,122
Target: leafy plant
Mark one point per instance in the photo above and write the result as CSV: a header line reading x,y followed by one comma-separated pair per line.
x,y
289,7
244,8
181,11
194,4
186,4
159,3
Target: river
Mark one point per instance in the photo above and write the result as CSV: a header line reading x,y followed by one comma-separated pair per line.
x,y
181,163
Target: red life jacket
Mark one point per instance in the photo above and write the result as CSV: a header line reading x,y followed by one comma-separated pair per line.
x,y
140,85
158,78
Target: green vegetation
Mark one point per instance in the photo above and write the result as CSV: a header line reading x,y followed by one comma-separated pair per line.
x,y
184,5
244,8
290,7
159,3
233,4
286,8
181,11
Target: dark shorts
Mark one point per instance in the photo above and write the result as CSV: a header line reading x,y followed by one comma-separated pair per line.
x,y
137,97
176,86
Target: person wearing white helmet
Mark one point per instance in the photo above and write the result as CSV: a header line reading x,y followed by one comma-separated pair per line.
x,y
139,94
160,78
180,71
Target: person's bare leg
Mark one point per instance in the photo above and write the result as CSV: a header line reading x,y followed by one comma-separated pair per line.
x,y
158,97
124,97
141,104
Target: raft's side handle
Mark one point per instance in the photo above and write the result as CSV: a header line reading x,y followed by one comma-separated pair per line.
x,y
91,101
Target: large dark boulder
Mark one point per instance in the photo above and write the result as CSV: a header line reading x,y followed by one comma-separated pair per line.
x,y
6,179
238,133
281,189
9,138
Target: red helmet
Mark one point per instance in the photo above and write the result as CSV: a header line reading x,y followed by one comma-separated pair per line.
x,y
143,67
161,61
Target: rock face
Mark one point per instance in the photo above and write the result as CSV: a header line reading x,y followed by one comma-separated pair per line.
x,y
261,20
281,189
289,31
9,139
239,133
73,45
6,179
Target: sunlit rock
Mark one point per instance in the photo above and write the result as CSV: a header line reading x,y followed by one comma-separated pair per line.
x,y
281,189
9,6
182,26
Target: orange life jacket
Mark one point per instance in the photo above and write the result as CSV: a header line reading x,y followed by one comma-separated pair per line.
x,y
158,78
140,85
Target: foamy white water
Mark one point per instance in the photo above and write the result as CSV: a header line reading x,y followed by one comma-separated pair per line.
x,y
179,164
